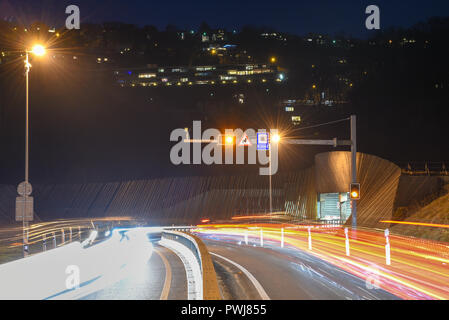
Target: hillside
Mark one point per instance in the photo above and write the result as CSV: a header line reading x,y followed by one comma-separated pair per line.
x,y
436,212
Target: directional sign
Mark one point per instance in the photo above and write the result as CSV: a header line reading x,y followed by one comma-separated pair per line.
x,y
24,189
245,141
24,207
263,139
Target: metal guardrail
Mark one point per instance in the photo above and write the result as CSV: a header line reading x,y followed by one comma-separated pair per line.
x,y
425,169
199,250
187,241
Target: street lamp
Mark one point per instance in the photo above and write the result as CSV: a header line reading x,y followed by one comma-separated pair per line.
x,y
276,138
229,140
37,50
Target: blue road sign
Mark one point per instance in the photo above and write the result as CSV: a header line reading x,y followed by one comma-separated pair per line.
x,y
263,141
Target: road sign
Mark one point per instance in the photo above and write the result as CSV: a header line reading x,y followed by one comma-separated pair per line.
x,y
24,207
24,189
263,139
245,142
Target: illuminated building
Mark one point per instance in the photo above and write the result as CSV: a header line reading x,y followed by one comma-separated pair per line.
x,y
199,75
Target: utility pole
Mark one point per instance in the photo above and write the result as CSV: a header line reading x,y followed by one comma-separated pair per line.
x,y
335,142
271,190
24,221
354,166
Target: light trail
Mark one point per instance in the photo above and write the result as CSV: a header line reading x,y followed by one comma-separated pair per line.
x,y
418,224
419,268
44,275
11,237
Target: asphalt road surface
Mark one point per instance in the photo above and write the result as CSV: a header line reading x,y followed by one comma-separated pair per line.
x,y
284,274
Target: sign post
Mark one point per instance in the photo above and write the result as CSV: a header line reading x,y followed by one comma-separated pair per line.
x,y
24,211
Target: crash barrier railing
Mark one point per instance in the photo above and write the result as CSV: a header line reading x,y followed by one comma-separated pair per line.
x,y
209,283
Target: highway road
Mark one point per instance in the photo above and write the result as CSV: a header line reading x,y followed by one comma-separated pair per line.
x,y
162,278
131,265
283,273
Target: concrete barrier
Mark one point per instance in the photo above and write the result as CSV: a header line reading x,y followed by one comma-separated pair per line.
x,y
207,280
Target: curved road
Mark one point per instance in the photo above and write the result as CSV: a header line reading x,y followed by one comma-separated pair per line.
x,y
283,273
162,278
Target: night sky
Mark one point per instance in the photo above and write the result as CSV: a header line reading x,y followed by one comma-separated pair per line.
x,y
297,17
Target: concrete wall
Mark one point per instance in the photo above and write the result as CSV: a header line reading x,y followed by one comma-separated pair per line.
x,y
416,188
191,198
378,178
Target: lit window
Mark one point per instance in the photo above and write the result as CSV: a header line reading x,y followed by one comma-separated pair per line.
x,y
147,75
296,119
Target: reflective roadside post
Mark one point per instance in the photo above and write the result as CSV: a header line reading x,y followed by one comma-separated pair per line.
x,y
246,237
44,243
54,240
62,236
310,238
347,241
282,237
261,237
70,234
387,247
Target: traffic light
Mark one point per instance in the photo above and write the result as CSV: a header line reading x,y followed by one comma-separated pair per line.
x,y
355,191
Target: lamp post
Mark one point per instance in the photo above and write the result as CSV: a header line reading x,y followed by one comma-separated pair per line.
x,y
275,139
37,50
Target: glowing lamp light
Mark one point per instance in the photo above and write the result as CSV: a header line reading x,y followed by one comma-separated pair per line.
x,y
354,194
229,140
38,50
276,138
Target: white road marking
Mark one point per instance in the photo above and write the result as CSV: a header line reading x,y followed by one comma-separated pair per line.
x,y
168,276
263,295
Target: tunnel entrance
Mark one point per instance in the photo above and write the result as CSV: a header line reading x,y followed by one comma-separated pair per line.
x,y
334,206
